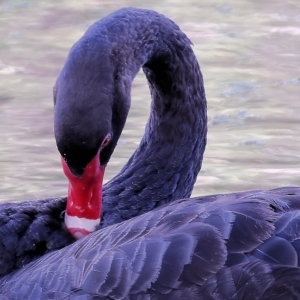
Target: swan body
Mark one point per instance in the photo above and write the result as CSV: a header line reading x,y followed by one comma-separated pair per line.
x,y
236,246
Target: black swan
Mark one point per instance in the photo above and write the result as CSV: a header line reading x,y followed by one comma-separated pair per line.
x,y
165,165
238,246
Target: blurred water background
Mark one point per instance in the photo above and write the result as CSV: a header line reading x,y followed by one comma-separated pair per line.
x,y
249,52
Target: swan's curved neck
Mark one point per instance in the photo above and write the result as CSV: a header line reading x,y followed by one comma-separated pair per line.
x,y
92,96
165,165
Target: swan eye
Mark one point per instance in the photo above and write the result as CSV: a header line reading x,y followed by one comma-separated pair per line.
x,y
105,141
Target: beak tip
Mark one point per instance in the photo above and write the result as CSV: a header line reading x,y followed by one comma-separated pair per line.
x,y
80,227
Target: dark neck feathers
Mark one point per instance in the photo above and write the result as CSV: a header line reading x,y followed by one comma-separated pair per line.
x,y
165,165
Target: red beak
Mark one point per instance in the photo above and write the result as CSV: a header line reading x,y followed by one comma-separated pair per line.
x,y
84,203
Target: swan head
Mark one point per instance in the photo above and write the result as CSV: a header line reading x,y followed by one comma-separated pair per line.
x,y
90,110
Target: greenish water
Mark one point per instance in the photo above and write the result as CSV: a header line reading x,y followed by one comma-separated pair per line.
x,y
249,55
